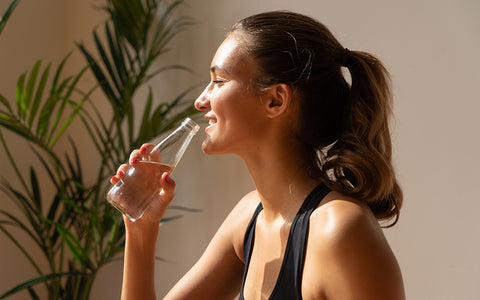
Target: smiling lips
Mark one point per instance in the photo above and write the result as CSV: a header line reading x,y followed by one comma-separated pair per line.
x,y
211,122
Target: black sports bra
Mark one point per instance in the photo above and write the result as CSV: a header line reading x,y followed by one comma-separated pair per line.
x,y
289,281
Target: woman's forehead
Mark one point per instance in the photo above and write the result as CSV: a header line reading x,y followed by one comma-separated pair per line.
x,y
231,57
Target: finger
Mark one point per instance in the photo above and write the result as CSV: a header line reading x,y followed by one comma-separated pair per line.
x,y
135,156
121,171
168,187
150,151
141,154
114,179
146,148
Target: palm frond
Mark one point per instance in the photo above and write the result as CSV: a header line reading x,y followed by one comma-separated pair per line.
x,y
30,106
68,218
20,247
34,281
6,14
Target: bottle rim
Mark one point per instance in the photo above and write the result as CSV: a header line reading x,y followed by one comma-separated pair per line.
x,y
191,124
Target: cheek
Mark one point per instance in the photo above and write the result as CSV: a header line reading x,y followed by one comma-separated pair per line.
x,y
235,111
236,105
224,103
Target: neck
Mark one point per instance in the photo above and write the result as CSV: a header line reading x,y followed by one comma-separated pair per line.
x,y
281,180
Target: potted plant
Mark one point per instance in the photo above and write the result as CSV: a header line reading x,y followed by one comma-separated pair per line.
x,y
76,231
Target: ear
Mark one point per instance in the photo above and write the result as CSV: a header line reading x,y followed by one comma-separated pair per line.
x,y
277,99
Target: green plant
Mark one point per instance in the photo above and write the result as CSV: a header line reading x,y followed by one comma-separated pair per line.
x,y
76,231
7,13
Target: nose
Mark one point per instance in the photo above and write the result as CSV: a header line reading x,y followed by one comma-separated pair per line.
x,y
203,103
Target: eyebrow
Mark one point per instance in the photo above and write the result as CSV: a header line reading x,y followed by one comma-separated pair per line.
x,y
213,69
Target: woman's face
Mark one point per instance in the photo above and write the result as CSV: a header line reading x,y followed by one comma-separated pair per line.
x,y
231,103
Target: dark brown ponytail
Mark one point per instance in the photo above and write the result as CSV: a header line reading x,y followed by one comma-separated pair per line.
x,y
343,129
360,162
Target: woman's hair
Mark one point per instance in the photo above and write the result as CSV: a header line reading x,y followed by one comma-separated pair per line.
x,y
343,128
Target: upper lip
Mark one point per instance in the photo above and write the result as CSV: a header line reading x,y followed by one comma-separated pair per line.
x,y
210,117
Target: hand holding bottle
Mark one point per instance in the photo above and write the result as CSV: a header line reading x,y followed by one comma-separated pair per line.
x,y
156,209
144,181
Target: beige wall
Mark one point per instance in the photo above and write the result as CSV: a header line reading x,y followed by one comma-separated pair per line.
x,y
431,49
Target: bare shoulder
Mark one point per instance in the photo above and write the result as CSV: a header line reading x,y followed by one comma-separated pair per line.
x,y
341,224
347,247
244,209
339,215
237,221
248,203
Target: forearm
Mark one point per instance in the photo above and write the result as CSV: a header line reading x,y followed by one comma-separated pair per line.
x,y
139,261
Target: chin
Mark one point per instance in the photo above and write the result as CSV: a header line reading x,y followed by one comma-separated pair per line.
x,y
211,148
207,147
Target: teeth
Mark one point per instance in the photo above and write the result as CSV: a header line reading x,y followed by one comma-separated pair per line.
x,y
211,122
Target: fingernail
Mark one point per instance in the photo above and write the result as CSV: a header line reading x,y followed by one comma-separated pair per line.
x,y
114,178
167,178
121,173
143,149
133,161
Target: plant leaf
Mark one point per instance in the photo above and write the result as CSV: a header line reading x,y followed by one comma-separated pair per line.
x,y
144,127
99,75
19,224
105,59
37,198
7,13
32,79
24,204
38,95
74,245
65,100
183,208
34,281
168,219
5,102
33,294
20,95
19,246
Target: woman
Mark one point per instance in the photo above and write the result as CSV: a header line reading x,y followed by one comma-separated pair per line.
x,y
319,152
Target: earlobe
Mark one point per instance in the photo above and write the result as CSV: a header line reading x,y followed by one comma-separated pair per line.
x,y
278,98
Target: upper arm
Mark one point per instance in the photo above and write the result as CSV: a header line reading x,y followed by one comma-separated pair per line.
x,y
348,249
219,271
